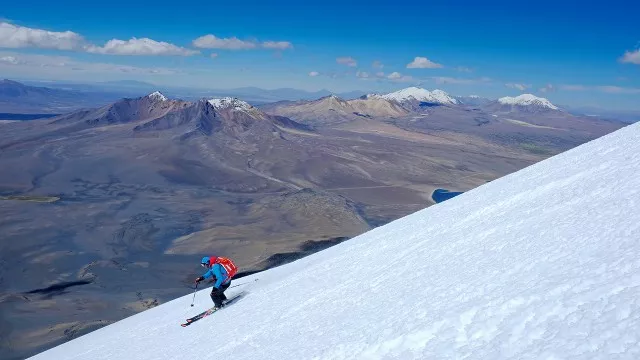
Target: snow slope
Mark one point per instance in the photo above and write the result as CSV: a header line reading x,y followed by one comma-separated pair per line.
x,y
540,264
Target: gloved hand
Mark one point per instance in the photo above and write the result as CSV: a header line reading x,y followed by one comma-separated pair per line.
x,y
199,279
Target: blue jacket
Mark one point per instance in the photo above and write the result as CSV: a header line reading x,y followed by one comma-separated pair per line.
x,y
219,272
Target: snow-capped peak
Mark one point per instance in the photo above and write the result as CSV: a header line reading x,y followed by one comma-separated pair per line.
x,y
230,103
527,100
420,94
157,95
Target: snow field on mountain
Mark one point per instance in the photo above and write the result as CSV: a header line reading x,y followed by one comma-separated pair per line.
x,y
157,95
540,264
527,100
416,93
230,102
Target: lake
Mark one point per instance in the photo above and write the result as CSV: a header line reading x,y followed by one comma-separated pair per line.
x,y
440,195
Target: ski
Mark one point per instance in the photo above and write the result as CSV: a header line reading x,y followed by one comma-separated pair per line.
x,y
210,311
202,315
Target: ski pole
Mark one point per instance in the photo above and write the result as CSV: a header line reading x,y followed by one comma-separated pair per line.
x,y
244,283
194,294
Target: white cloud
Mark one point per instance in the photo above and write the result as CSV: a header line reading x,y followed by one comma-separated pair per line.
x,y
521,87
143,46
547,88
463,69
11,60
397,77
394,75
213,55
423,63
212,42
13,36
314,73
278,45
631,57
347,60
377,65
380,74
362,74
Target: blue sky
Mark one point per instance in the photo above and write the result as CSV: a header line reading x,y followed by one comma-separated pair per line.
x,y
573,53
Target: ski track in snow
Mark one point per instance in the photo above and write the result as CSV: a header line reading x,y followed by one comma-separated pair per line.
x,y
540,264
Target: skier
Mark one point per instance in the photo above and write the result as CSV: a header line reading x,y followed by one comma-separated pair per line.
x,y
222,269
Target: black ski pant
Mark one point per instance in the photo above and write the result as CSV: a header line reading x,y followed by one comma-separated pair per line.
x,y
217,295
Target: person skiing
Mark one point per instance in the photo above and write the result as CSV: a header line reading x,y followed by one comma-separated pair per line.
x,y
222,269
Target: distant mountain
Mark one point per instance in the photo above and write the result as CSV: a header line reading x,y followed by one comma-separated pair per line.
x,y
411,101
177,118
126,110
417,99
332,109
522,103
527,100
416,94
230,116
121,87
16,97
253,95
14,89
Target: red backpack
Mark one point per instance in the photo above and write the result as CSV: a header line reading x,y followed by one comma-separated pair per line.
x,y
226,263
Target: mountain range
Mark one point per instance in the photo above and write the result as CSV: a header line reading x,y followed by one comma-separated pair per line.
x,y
416,109
155,182
176,118
403,102
60,97
33,97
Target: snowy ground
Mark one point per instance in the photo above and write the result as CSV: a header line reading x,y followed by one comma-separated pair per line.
x,y
540,264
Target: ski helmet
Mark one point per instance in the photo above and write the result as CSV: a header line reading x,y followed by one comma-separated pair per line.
x,y
205,261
